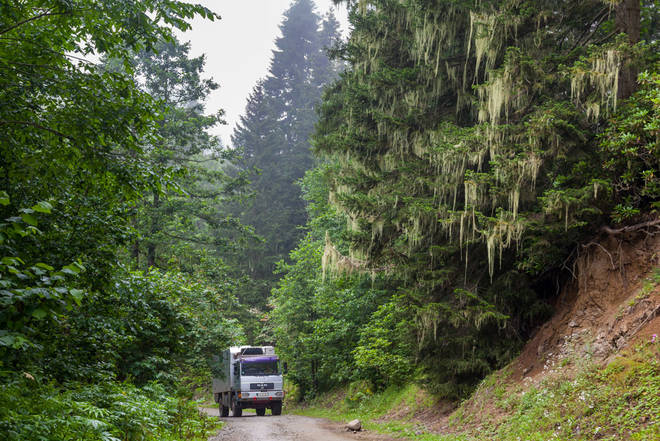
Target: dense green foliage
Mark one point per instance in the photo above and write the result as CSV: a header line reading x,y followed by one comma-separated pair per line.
x,y
631,147
30,410
181,224
87,151
273,137
318,322
470,147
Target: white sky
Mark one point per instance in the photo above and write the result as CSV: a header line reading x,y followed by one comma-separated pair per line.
x,y
238,49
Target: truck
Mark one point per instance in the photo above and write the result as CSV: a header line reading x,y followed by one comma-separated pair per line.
x,y
248,377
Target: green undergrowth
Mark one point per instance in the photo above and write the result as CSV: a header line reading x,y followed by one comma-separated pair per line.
x,y
391,411
31,410
620,401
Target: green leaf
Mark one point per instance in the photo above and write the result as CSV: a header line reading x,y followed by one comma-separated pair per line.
x,y
4,198
72,269
13,270
7,340
43,207
39,313
29,219
12,261
44,266
77,295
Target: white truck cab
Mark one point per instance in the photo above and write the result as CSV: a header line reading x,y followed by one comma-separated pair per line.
x,y
248,377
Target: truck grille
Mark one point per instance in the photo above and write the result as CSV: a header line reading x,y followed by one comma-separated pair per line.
x,y
262,386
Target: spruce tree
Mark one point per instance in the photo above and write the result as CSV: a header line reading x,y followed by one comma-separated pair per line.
x,y
466,133
274,138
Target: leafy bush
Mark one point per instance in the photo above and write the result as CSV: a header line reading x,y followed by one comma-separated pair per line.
x,y
631,149
384,352
145,327
31,410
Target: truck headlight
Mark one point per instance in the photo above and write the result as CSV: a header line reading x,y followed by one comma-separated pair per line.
x,y
279,393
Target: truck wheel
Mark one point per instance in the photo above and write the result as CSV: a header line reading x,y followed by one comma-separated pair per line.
x,y
261,412
224,411
276,409
237,411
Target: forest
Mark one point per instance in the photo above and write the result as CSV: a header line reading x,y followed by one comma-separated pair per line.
x,y
401,205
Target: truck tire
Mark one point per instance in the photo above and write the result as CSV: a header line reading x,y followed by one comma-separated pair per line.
x,y
237,411
276,409
261,411
224,411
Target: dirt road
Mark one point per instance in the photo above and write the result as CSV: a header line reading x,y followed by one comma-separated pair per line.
x,y
250,427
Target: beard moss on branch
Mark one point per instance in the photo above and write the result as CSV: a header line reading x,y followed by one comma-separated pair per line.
x,y
514,158
465,135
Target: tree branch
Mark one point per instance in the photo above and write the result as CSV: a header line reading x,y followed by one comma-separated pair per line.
x,y
47,13
38,126
590,30
612,231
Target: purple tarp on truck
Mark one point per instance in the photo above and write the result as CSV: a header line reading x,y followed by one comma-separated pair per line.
x,y
258,359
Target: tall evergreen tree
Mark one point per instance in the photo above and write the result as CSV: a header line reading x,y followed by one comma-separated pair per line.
x,y
274,137
466,133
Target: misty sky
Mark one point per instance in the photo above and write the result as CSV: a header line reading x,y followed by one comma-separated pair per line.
x,y
238,49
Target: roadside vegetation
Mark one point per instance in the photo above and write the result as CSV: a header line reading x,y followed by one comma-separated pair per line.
x,y
467,155
32,409
613,402
106,322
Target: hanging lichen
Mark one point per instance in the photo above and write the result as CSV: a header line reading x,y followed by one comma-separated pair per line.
x,y
482,30
442,179
502,233
333,259
601,74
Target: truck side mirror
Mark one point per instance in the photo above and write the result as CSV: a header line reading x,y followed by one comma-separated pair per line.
x,y
286,368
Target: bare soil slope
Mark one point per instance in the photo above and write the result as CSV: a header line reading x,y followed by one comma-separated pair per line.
x,y
612,302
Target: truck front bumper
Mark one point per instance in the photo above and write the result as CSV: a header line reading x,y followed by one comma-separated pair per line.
x,y
261,397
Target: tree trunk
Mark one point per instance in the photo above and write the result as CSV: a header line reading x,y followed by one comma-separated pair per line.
x,y
135,253
628,21
151,248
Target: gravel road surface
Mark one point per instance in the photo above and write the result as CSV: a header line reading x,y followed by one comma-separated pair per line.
x,y
250,427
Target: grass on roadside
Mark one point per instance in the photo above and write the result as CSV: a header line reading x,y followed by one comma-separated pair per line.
x,y
618,402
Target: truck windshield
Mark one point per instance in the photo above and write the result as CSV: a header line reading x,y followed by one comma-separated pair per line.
x,y
260,368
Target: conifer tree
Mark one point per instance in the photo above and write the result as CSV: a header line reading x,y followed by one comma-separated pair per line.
x,y
274,137
466,133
